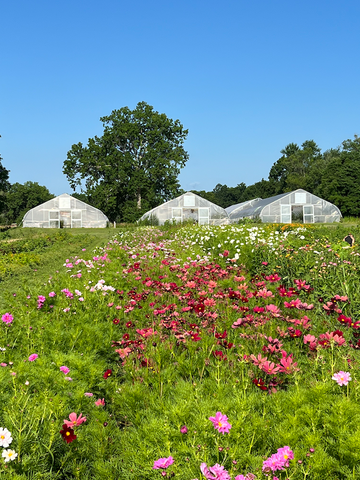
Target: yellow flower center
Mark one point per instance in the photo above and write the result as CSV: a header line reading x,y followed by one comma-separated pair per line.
x,y
220,424
2,437
10,453
67,433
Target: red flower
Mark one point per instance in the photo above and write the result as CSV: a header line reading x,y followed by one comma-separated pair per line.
x,y
259,382
108,373
199,308
68,434
116,321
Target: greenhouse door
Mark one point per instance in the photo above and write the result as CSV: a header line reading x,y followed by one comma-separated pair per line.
x,y
204,215
308,213
177,215
76,218
54,219
285,212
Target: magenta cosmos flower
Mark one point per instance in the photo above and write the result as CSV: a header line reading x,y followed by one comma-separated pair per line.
x,y
221,423
7,318
163,463
75,420
65,369
217,472
33,357
342,378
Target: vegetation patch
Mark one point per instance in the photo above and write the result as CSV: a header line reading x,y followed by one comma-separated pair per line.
x,y
196,352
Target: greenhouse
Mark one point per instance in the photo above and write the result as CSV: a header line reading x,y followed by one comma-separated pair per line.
x,y
66,212
233,210
187,207
291,207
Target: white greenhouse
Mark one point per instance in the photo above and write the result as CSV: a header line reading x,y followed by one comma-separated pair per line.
x,y
65,211
234,210
187,207
290,207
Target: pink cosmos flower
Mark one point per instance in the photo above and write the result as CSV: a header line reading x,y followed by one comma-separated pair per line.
x,y
342,378
163,463
217,472
33,357
75,420
273,309
88,394
7,318
52,294
184,429
220,423
65,369
99,402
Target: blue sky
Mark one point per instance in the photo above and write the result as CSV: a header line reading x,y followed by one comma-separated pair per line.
x,y
245,77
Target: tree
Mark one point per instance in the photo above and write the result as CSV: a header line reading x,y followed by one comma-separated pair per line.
x,y
4,185
133,166
341,179
297,168
21,198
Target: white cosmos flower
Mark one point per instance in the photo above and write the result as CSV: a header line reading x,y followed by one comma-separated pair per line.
x,y
5,437
9,455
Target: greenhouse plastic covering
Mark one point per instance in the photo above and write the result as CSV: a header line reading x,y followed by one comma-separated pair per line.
x,y
232,210
67,212
188,207
291,207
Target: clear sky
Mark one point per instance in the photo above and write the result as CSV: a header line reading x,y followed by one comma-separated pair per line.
x,y
245,77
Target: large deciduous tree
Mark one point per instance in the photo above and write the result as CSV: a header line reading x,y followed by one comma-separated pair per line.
x,y
133,166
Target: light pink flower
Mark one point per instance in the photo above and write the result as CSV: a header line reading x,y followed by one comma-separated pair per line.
x,y
100,402
7,318
52,294
88,394
342,378
163,463
220,423
33,357
75,420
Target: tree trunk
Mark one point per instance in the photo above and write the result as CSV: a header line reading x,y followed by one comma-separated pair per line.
x,y
139,199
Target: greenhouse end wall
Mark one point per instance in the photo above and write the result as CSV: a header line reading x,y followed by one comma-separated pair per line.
x,y
65,211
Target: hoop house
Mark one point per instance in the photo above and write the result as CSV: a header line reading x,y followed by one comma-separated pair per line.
x,y
296,206
187,207
234,211
65,211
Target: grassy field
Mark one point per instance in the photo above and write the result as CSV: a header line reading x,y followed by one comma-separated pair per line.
x,y
196,352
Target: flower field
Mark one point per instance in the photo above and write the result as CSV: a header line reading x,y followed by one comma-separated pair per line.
x,y
193,353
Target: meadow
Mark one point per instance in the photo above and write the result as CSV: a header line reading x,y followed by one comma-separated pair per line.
x,y
181,352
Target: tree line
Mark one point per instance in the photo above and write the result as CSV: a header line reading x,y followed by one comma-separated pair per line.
x,y
333,175
134,167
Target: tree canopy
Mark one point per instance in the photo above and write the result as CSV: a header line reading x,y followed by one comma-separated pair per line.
x,y
133,166
21,198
